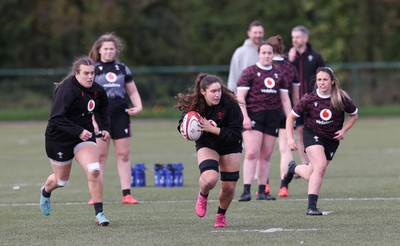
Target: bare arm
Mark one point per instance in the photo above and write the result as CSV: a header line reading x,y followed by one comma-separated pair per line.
x,y
134,96
241,95
295,94
289,131
285,100
349,124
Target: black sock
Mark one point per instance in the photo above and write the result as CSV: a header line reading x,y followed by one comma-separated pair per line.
x,y
246,188
126,192
98,207
45,194
261,189
221,211
312,201
267,181
292,168
205,196
283,184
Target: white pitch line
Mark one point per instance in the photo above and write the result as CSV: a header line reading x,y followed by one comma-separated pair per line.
x,y
270,230
212,201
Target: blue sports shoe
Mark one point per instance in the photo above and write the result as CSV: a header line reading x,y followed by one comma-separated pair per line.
x,y
101,219
44,203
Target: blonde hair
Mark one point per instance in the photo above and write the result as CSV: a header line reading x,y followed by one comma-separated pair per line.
x,y
107,37
338,96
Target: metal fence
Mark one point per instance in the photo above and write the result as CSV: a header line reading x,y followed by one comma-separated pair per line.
x,y
368,83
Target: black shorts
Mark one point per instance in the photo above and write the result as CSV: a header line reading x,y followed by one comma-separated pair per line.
x,y
266,121
330,147
221,149
120,126
300,121
63,151
282,122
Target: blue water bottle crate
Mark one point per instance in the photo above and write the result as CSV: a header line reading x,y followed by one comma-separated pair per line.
x,y
138,175
178,174
168,175
159,177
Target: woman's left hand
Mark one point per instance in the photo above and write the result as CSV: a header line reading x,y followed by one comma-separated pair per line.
x,y
105,135
206,125
133,111
339,135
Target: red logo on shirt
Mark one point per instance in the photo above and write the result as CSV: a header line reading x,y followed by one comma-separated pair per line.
x,y
269,83
325,114
91,104
219,115
111,77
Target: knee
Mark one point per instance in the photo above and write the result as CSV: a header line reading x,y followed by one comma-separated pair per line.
x,y
252,155
320,169
103,157
209,170
123,155
93,170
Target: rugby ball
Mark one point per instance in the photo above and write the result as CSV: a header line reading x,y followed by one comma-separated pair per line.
x,y
190,126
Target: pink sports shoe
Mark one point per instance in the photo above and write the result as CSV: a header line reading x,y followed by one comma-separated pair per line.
x,y
201,206
220,221
129,199
283,192
90,202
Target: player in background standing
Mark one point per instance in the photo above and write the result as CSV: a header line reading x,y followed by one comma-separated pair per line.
x,y
264,94
220,146
70,133
289,73
246,55
307,61
116,78
323,130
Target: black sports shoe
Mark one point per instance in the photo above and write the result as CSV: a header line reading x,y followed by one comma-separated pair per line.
x,y
290,173
245,197
265,196
311,211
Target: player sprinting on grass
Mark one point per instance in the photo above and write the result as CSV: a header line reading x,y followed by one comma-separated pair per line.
x,y
70,134
220,146
324,109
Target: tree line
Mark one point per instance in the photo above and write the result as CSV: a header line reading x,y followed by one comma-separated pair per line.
x,y
42,34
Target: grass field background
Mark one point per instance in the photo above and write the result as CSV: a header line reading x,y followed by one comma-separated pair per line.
x,y
360,196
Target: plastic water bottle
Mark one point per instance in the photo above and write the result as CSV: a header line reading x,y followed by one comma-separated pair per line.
x,y
178,174
133,180
159,177
140,175
169,175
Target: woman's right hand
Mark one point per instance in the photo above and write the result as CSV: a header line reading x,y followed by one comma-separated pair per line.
x,y
246,123
292,144
85,135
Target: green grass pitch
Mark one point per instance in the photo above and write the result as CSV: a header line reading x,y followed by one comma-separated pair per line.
x,y
360,194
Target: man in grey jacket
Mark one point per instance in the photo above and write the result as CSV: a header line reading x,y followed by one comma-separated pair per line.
x,y
246,55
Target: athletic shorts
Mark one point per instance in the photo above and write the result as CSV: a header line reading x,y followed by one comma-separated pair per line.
x,y
266,121
63,151
120,125
282,122
221,149
330,147
300,121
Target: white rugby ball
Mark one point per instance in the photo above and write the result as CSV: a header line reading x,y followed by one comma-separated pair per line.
x,y
190,126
